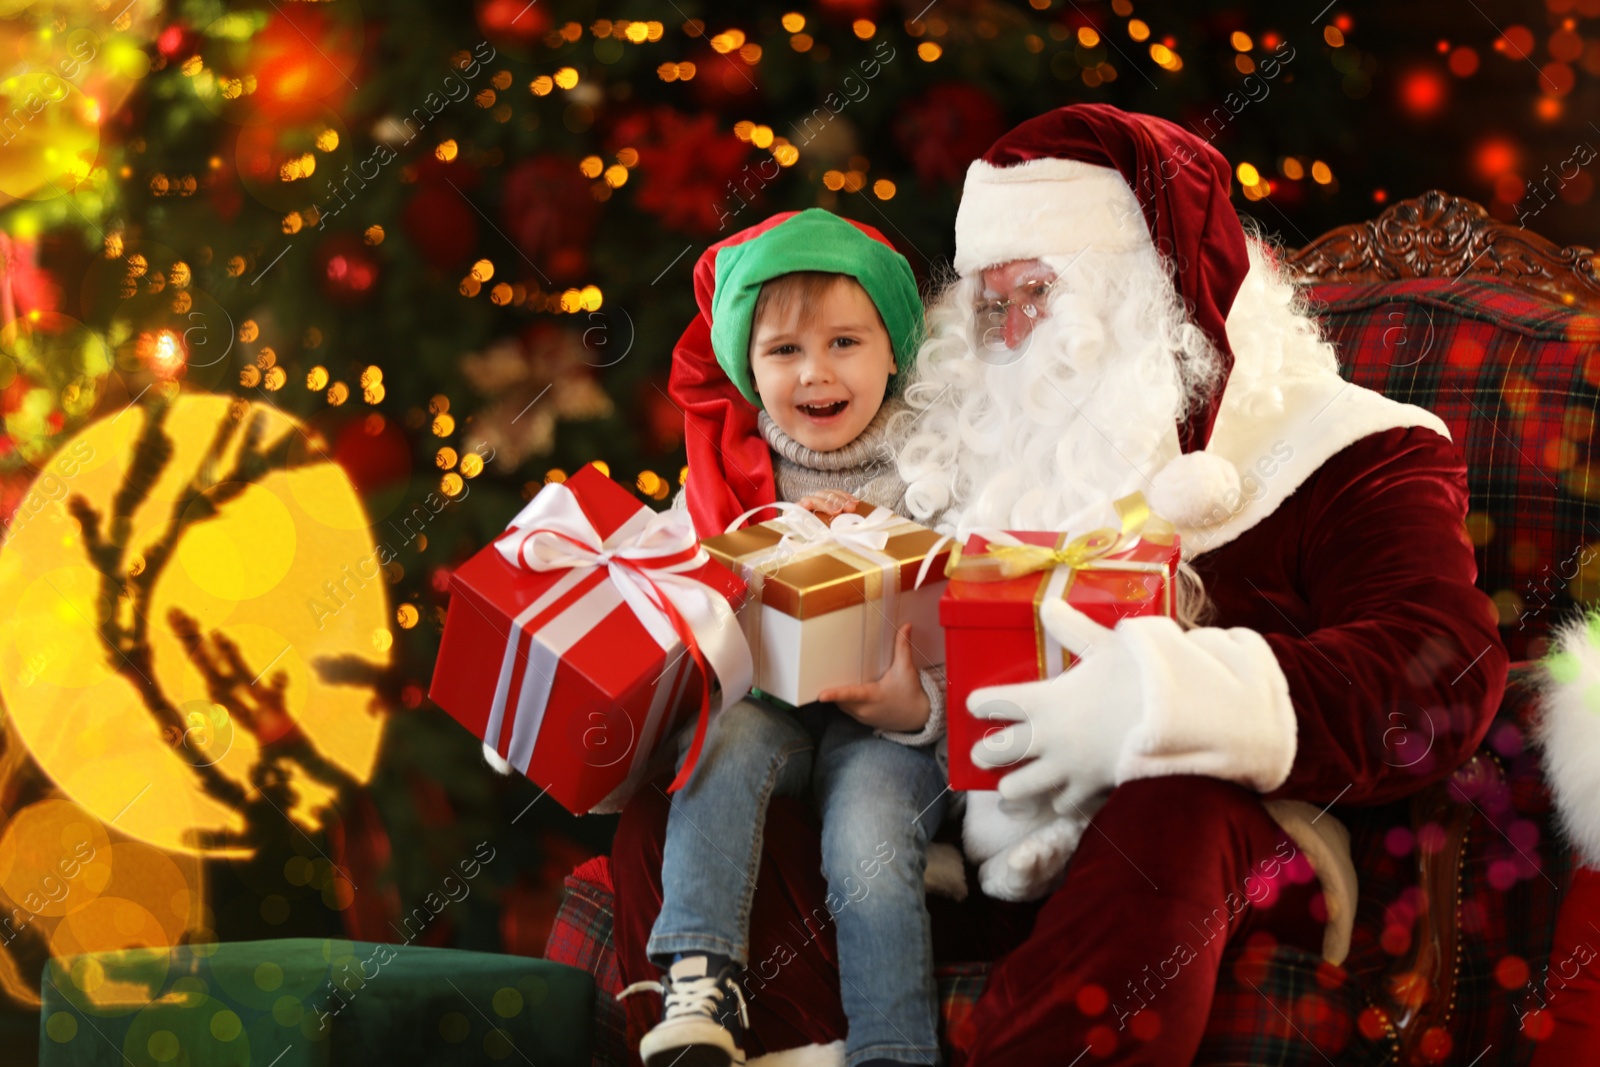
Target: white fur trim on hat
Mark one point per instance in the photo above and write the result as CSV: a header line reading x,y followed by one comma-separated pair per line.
x,y
1196,489
1044,207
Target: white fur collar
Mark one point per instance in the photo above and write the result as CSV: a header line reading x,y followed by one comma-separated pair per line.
x,y
1274,454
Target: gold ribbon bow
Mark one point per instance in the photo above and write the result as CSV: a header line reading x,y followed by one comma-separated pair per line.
x,y
1087,551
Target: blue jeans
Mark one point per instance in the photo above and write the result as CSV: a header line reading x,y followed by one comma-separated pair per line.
x,y
880,803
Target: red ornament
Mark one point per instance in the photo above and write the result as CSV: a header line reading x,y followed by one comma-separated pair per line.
x,y
12,396
347,270
441,224
306,53
361,851
690,169
25,286
551,214
374,455
724,79
945,129
514,22
662,418
178,41
224,190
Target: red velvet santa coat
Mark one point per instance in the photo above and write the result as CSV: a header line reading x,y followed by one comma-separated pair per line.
x,y
1349,556
1361,582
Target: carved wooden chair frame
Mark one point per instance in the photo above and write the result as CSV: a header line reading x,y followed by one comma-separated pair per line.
x,y
1437,235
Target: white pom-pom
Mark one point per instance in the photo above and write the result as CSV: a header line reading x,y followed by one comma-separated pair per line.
x,y
1197,489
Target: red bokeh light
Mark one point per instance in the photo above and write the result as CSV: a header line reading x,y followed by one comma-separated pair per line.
x,y
1494,157
1566,45
1464,62
1422,93
1516,42
1511,972
1557,79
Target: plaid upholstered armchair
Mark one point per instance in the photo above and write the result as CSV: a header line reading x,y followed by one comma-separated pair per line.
x,y
1498,332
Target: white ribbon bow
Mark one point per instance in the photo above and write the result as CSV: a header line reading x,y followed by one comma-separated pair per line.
x,y
648,558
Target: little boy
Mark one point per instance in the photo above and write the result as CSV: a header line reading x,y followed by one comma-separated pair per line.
x,y
785,378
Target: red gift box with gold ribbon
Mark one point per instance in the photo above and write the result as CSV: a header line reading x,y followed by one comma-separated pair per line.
x,y
581,638
998,583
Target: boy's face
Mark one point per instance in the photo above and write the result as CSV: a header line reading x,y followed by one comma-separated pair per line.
x,y
822,375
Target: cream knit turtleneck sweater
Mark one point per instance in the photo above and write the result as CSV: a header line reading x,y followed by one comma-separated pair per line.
x,y
865,468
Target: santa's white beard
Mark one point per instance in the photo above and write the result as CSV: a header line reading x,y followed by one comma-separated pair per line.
x,y
1083,413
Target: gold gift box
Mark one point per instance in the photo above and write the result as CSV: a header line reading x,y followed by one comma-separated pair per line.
x,y
816,581
819,614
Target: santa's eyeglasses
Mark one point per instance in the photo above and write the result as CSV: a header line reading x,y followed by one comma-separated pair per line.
x,y
990,315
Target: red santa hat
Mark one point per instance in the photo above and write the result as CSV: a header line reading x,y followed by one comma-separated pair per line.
x,y
1091,176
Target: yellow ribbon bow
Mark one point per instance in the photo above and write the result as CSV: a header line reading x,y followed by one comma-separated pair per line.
x,y
1087,551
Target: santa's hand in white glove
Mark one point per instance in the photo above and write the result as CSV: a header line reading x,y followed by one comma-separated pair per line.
x,y
1021,846
1146,699
1068,732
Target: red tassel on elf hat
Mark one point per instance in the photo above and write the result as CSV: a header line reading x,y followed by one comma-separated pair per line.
x,y
730,467
1091,176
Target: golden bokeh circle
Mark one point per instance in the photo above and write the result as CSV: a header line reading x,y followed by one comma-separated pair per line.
x,y
243,559
55,144
48,855
61,680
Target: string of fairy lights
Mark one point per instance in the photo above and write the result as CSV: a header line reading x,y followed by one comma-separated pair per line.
x,y
1094,52
1090,63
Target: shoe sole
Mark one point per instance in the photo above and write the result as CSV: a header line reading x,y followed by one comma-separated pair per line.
x,y
682,1047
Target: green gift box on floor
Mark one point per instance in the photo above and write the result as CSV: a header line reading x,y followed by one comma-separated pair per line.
x,y
306,1002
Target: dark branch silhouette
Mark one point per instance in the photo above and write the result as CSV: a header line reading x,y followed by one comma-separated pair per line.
x,y
123,609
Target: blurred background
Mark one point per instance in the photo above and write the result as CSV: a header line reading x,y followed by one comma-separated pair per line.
x,y
299,303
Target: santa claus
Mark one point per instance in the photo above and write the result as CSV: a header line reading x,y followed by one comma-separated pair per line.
x,y
1113,328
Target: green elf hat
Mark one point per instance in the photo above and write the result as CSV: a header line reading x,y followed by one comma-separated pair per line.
x,y
811,240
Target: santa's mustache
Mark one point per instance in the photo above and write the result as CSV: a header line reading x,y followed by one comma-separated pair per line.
x,y
1081,409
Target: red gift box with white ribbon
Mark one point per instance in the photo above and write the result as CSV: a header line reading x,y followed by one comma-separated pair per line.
x,y
581,638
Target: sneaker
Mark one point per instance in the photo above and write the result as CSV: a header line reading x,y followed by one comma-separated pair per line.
x,y
704,1017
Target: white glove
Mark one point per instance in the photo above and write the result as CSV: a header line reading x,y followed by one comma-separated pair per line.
x,y
1143,700
1022,847
1073,727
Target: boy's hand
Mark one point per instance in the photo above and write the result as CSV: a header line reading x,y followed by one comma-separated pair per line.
x,y
894,702
829,502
